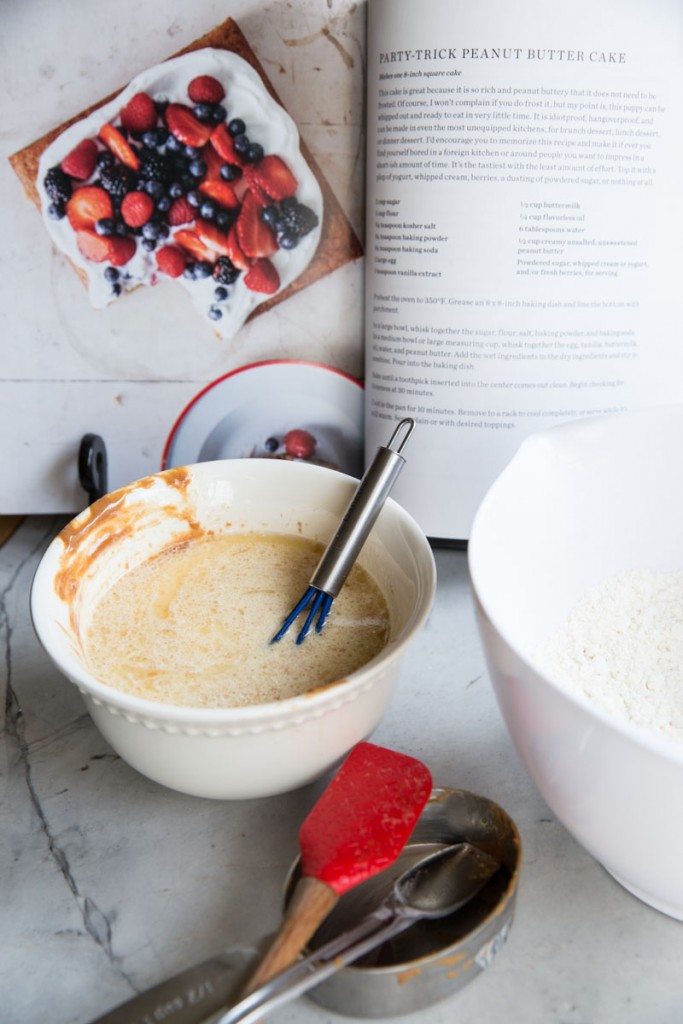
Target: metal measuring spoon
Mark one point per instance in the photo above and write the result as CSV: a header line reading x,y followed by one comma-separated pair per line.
x,y
433,888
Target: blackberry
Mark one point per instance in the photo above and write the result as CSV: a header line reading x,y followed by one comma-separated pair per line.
x,y
296,219
116,180
153,166
57,184
224,271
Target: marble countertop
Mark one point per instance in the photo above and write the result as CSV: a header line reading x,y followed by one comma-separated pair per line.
x,y
111,883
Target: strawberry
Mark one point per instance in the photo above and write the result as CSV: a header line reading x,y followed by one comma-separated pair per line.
x,y
262,277
221,140
121,249
181,212
192,244
80,162
205,89
182,123
171,260
272,175
222,192
114,140
93,246
136,209
235,252
139,114
213,163
212,236
88,205
255,237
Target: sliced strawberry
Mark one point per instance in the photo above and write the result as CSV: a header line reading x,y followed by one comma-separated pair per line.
x,y
171,260
212,236
88,205
255,237
205,89
139,114
80,162
222,192
181,212
182,123
235,252
262,277
272,175
213,163
121,249
192,244
221,140
261,197
114,140
137,208
93,246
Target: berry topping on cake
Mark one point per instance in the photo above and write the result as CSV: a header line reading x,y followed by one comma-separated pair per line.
x,y
177,179
205,89
80,162
139,114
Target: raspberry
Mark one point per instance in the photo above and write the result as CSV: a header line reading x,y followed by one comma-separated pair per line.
x,y
139,114
80,162
171,260
181,212
121,249
136,209
205,89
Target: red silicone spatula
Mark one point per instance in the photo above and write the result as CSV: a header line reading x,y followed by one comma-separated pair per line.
x,y
357,828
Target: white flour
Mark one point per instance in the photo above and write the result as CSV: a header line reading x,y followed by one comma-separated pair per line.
x,y
622,647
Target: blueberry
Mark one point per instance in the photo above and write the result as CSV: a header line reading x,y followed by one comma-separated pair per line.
x,y
198,168
190,271
219,113
150,138
116,289
229,172
173,144
195,198
254,152
223,219
192,152
271,444
154,188
164,204
287,240
270,215
105,226
175,190
237,126
208,209
220,293
203,111
151,229
111,274
241,143
203,269
105,159
164,230
149,244
121,229
56,210
215,313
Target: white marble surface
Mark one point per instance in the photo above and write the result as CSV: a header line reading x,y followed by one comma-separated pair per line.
x,y
111,883
128,371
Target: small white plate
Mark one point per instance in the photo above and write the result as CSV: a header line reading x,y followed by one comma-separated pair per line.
x,y
234,416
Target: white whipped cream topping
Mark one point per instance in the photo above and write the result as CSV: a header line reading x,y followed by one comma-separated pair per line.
x,y
266,123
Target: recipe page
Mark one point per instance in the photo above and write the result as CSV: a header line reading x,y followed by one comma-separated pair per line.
x,y
524,216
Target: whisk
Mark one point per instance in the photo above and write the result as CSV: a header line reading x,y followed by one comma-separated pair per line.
x,y
351,534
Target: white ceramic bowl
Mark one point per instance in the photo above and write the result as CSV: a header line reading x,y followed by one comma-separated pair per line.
x,y
244,752
578,504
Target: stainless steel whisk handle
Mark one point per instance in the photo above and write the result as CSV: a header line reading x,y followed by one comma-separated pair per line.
x,y
362,511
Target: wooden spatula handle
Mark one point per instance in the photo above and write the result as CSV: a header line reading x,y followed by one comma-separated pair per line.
x,y
310,904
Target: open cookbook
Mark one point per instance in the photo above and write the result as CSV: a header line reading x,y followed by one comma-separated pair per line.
x,y
523,250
